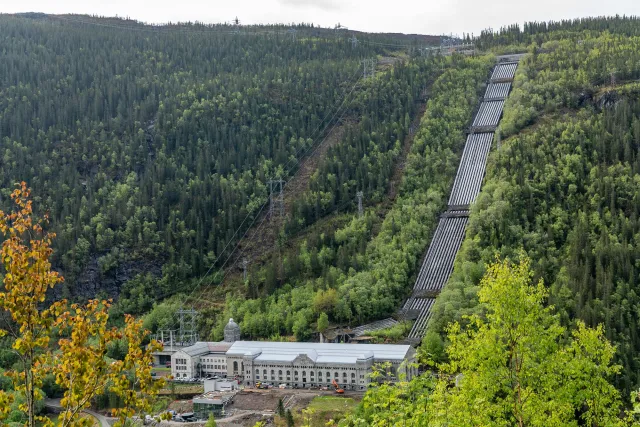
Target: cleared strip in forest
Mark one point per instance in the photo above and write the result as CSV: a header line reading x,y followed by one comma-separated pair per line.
x,y
258,231
401,163
263,238
261,241
438,262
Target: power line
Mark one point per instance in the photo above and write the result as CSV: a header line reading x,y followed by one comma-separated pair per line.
x,y
264,205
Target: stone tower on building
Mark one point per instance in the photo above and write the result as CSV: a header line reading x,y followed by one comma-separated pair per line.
x,y
231,332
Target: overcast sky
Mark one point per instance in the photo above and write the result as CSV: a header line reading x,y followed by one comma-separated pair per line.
x,y
406,16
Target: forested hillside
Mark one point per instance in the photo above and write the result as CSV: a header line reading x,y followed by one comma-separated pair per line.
x,y
362,270
149,146
560,201
564,183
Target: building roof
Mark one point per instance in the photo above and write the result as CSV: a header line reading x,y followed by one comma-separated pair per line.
x,y
202,347
213,398
232,331
360,330
374,326
318,352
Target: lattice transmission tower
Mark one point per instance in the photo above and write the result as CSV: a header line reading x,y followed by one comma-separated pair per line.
x,y
276,197
369,67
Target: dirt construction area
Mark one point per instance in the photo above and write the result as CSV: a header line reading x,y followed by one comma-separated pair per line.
x,y
267,400
252,405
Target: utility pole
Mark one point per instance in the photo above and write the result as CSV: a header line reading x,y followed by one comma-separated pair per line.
x,y
244,269
236,24
359,195
498,138
276,201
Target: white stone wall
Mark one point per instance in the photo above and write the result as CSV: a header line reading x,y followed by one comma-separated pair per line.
x,y
303,372
214,364
182,365
348,376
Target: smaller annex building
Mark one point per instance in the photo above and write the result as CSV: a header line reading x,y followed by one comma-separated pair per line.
x,y
303,365
200,360
205,358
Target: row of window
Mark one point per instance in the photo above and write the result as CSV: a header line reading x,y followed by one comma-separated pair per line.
x,y
181,361
304,373
309,367
216,367
304,380
214,360
344,378
181,368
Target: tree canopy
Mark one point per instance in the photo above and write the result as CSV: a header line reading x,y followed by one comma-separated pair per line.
x,y
513,365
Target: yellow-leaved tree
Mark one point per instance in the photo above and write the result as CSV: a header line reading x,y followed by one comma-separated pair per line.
x,y
79,362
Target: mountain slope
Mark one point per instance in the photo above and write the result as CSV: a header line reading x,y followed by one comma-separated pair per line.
x,y
563,186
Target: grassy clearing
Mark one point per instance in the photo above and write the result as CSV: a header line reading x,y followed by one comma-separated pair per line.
x,y
181,389
332,403
324,408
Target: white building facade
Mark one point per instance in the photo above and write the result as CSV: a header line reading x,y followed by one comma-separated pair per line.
x,y
296,364
205,358
200,360
303,365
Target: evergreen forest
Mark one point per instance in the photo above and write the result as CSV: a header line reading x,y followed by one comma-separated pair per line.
x,y
153,150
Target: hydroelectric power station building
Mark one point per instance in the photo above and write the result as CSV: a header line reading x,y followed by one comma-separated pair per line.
x,y
296,364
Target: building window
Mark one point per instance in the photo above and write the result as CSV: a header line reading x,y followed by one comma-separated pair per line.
x,y
235,366
280,372
337,375
311,374
288,373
